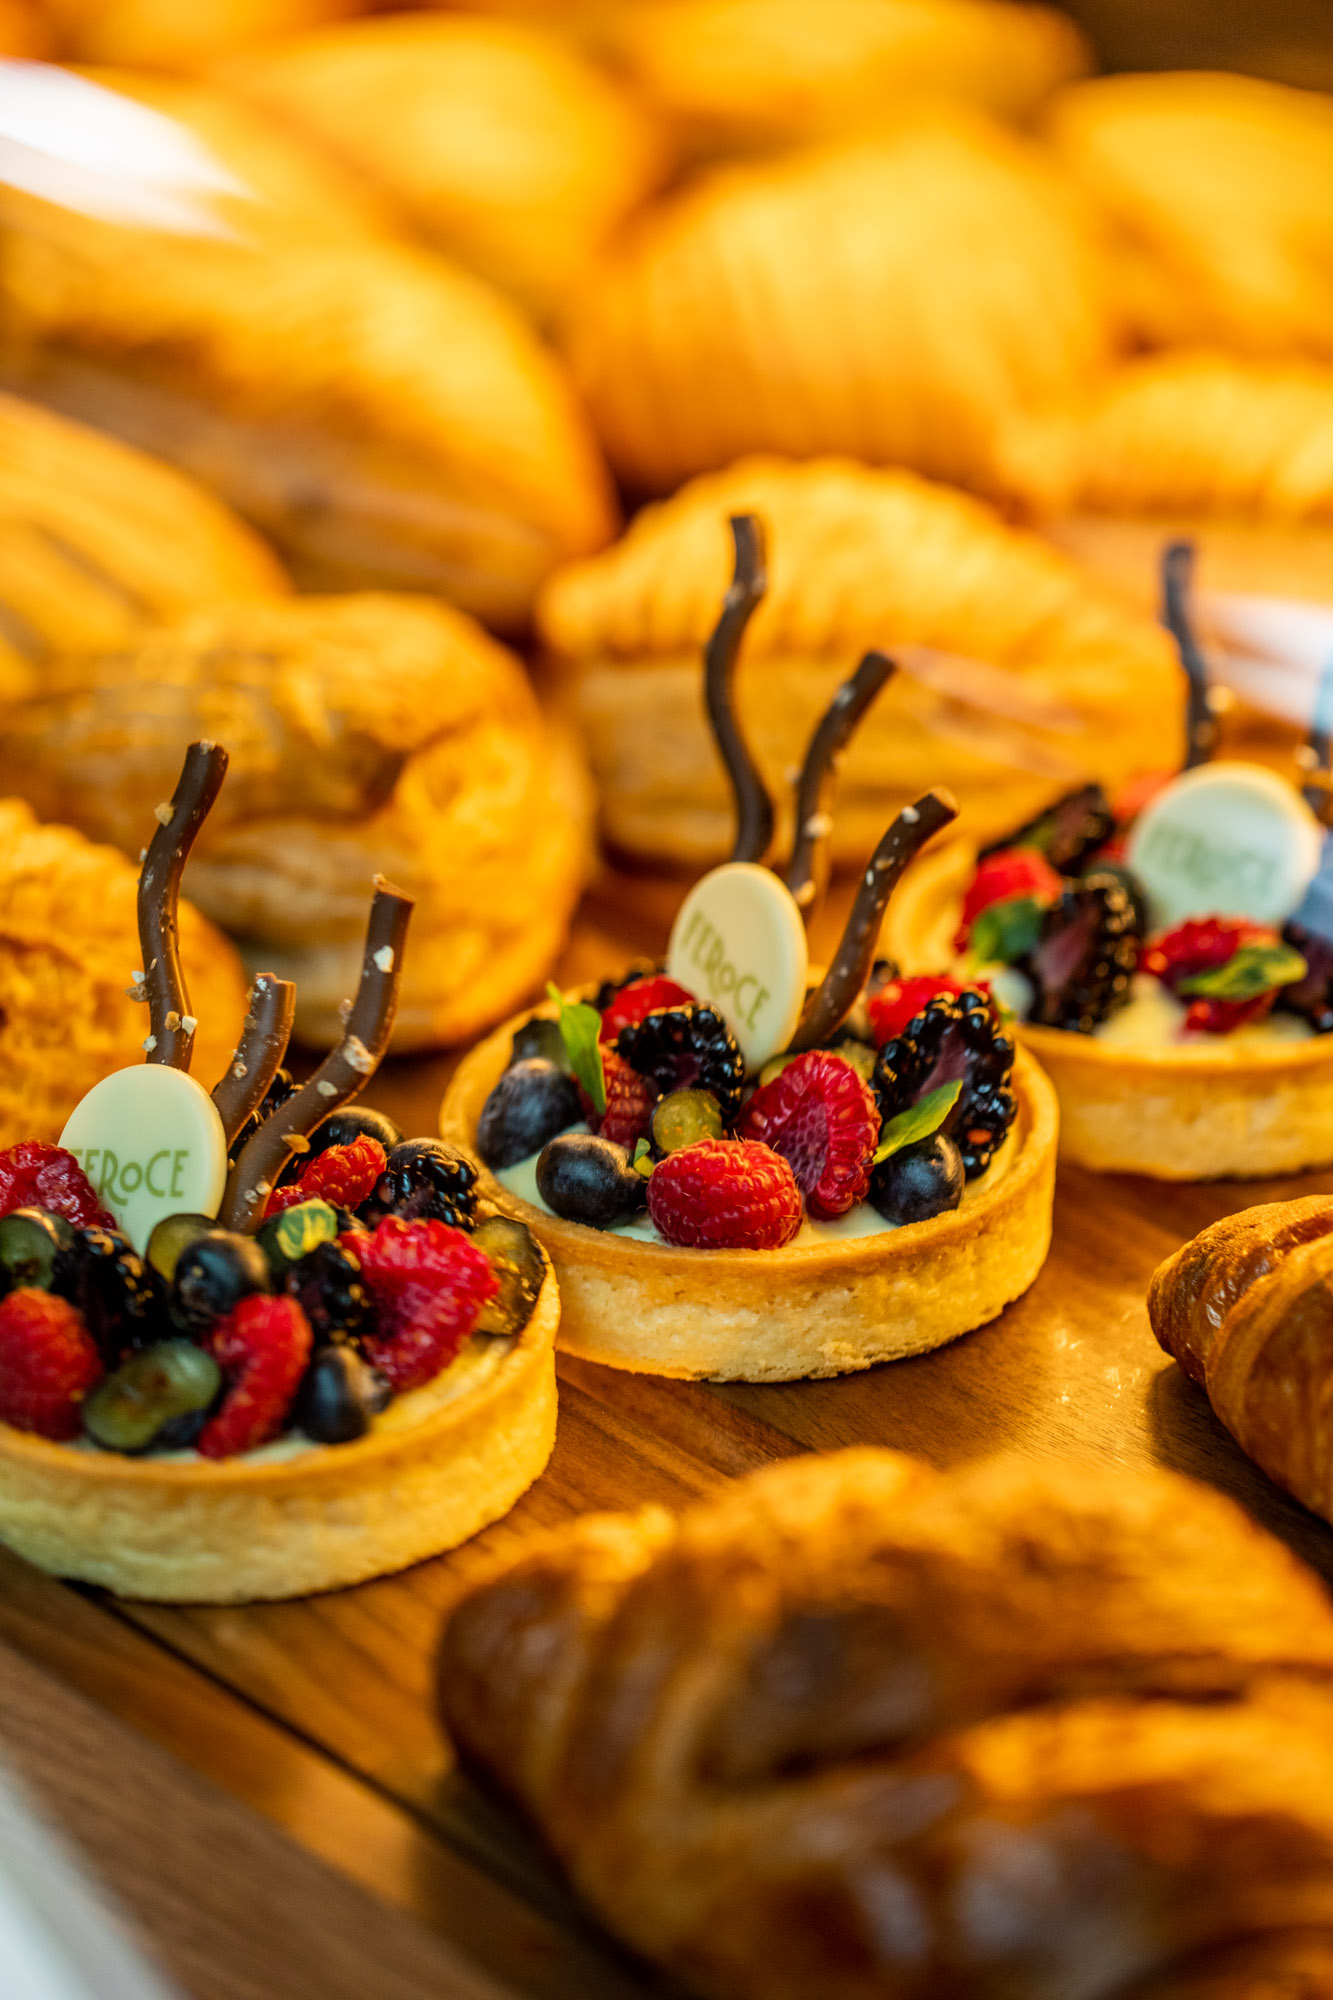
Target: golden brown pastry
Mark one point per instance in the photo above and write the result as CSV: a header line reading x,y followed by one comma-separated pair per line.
x,y
1245,1309
96,538
180,34
856,1728
501,146
367,734
1055,682
68,944
24,31
897,298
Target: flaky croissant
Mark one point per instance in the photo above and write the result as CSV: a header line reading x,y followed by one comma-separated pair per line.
x,y
860,1730
180,34
1245,1308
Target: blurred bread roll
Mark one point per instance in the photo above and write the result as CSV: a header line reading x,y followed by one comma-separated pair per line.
x,y
1018,677
180,34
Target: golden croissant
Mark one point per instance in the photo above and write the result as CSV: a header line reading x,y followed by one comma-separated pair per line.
x,y
856,1728
24,31
368,734
180,34
1018,676
1245,1308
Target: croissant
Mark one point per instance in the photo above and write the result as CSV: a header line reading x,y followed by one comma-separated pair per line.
x,y
23,31
856,1728
1244,1308
368,734
1055,681
180,34
896,298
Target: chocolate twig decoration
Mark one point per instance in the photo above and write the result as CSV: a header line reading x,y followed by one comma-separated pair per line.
x,y
256,1059
343,1072
808,873
754,808
171,1025
833,1001
1200,722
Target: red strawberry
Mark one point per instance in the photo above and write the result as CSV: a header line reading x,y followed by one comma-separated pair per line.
x,y
819,1114
644,996
725,1194
1219,1017
343,1176
262,1347
48,1363
429,1282
897,1004
629,1101
1009,873
33,1175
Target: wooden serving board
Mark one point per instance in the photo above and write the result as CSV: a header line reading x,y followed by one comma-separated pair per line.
x,y
268,1789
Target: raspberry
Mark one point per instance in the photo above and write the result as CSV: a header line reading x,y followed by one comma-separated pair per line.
x,y
1002,876
48,1363
429,1283
262,1347
629,1102
725,1194
822,1119
33,1175
1219,1017
343,1176
645,996
897,1004
1200,946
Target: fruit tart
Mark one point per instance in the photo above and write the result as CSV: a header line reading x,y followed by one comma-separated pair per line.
x,y
256,1343
1167,955
732,1180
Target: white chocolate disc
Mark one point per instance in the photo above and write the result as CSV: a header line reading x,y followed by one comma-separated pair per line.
x,y
1227,840
738,942
151,1142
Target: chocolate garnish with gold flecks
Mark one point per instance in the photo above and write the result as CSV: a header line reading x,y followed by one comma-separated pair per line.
x,y
258,1054
754,807
171,1025
808,872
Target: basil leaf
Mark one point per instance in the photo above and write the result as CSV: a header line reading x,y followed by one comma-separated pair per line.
x,y
918,1121
1005,931
580,1026
1252,970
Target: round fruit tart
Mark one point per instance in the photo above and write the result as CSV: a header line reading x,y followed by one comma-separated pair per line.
x,y
1167,955
735,1175
255,1343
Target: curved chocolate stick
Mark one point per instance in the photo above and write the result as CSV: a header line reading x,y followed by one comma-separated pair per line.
x,y
170,1024
808,873
1200,722
834,1000
343,1073
255,1062
754,808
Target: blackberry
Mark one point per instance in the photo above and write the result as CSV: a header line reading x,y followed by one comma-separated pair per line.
x,y
1068,833
328,1286
282,1087
424,1177
955,1039
687,1048
1082,966
117,1293
640,968
1116,871
1311,997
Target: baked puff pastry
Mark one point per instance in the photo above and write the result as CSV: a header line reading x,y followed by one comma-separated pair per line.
x,y
68,946
1016,668
502,147
180,34
853,1727
368,735
96,538
897,298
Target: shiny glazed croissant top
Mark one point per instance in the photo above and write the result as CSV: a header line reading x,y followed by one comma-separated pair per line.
x,y
860,1730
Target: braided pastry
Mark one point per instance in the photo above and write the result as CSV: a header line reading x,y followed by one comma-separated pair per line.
x,y
855,1728
1245,1309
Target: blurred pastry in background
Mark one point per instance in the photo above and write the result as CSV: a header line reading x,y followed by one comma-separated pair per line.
x,y
24,31
368,734
741,74
500,145
96,538
69,943
1017,676
1218,192
895,299
180,34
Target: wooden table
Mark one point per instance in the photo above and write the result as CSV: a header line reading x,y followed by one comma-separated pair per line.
x,y
267,1789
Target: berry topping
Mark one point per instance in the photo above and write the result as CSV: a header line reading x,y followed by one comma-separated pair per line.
x,y
161,1397
633,975
687,1048
542,1038
1200,946
725,1194
1228,970
1312,996
630,1098
531,1103
823,1120
683,1118
338,1396
1136,793
1068,833
429,1283
517,1261
283,1086
107,1280
170,1236
919,1181
33,1175
953,1040
213,1275
262,1347
896,1005
48,1363
30,1242
425,1177
328,1286
1005,875
356,1121
586,1178
641,997
1083,963
343,1176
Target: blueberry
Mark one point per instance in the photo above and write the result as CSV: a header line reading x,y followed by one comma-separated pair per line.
x,y
213,1275
542,1039
919,1181
517,1261
338,1396
155,1399
328,1286
30,1241
170,1236
682,1117
119,1295
587,1179
531,1103
425,1177
355,1121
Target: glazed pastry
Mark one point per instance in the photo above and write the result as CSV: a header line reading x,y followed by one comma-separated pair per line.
x,y
257,1344
368,733
1018,677
382,416
502,147
163,34
899,299
853,1726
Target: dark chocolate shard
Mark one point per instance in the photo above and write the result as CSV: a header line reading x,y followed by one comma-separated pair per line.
x,y
1200,722
754,807
170,1024
259,1054
808,873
